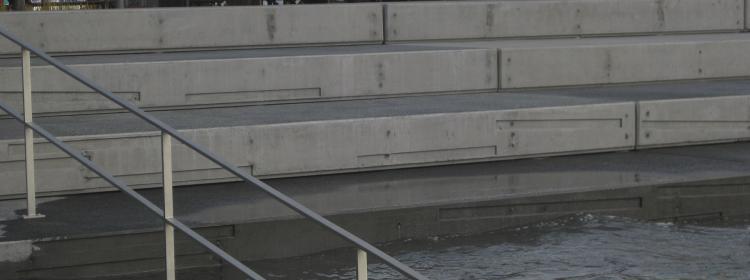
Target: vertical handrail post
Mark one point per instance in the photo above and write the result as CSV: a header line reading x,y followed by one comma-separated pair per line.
x,y
28,139
166,159
361,265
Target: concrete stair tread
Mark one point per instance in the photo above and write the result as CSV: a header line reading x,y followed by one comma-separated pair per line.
x,y
387,107
222,204
230,54
371,49
588,41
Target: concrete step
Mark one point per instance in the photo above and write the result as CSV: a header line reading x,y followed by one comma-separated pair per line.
x,y
344,136
414,21
236,77
201,79
230,27
209,27
570,62
93,235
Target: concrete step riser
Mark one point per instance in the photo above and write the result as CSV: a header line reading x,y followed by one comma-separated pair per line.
x,y
693,121
176,28
271,79
622,63
410,70
336,146
502,19
294,149
222,27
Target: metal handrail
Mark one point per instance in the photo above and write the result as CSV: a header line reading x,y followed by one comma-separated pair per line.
x,y
132,193
168,130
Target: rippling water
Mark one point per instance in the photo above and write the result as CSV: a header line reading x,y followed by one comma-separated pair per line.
x,y
580,247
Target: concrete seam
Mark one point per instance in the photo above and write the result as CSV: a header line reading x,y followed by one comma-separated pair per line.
x,y
744,15
499,69
384,12
637,118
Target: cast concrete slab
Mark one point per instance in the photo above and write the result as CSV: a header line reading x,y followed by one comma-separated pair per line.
x,y
385,107
673,114
569,62
302,112
186,55
200,27
328,137
275,140
496,19
195,79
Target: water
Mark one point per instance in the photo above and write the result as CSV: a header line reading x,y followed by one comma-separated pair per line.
x,y
579,247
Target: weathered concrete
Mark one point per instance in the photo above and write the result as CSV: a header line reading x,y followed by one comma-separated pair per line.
x,y
169,28
236,77
692,121
297,139
685,113
335,145
564,62
313,138
473,20
121,237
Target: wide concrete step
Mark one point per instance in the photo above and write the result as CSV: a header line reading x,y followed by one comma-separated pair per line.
x,y
236,77
94,235
220,78
415,21
570,62
208,27
231,27
344,136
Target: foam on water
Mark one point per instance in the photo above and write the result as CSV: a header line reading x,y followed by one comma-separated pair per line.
x,y
579,247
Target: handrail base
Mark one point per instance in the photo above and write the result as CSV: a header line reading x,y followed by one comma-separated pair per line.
x,y
37,216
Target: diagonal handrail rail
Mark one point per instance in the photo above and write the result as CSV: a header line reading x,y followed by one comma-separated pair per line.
x,y
132,193
166,129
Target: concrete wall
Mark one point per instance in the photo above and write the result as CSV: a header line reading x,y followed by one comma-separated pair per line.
x,y
694,121
111,30
465,20
331,146
153,84
624,62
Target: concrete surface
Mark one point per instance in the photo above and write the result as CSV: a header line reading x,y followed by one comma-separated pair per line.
x,y
673,114
565,62
221,27
240,77
231,77
670,122
498,19
312,138
209,27
296,139
105,233
210,205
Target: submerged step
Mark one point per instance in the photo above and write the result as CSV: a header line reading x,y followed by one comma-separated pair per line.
x,y
709,180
